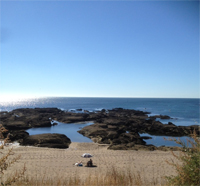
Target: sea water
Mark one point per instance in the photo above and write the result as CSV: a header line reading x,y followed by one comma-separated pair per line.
x,y
182,111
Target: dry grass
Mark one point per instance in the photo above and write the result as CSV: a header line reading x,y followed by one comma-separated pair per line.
x,y
7,159
112,177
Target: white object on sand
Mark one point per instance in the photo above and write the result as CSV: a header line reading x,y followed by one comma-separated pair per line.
x,y
79,164
11,145
86,155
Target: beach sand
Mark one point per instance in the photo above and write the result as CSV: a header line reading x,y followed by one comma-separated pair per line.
x,y
47,163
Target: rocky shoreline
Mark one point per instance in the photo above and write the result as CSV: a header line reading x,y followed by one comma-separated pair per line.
x,y
118,127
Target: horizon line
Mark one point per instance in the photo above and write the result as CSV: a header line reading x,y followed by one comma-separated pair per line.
x,y
23,97
4,98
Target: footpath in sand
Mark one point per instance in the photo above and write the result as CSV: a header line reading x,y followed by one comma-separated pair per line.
x,y
53,163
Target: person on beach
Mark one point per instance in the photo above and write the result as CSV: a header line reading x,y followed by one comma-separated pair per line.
x,y
89,163
79,163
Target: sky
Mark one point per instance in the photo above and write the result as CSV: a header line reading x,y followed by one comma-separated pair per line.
x,y
99,49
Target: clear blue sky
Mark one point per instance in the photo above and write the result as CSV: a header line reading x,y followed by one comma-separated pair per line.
x,y
100,48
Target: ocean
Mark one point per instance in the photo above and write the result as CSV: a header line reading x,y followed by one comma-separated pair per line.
x,y
184,111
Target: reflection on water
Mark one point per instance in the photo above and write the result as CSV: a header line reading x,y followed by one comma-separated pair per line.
x,y
164,140
70,130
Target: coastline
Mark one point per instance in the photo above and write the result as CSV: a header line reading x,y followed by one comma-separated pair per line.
x,y
121,128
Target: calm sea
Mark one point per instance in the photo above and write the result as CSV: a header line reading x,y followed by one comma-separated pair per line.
x,y
183,111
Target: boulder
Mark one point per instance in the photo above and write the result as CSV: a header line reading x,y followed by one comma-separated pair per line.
x,y
48,140
18,135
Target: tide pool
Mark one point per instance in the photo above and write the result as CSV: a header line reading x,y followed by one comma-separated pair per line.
x,y
69,129
166,140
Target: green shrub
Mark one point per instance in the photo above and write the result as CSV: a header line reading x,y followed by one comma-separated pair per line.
x,y
189,169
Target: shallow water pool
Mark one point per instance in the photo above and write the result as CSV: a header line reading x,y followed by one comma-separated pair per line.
x,y
69,129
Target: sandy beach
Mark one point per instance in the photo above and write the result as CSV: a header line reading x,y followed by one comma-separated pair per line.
x,y
47,163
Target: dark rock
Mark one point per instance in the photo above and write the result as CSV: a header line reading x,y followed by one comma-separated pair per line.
x,y
16,125
146,137
112,134
48,140
74,117
161,117
41,123
103,110
164,148
118,147
54,123
170,123
48,110
18,135
118,127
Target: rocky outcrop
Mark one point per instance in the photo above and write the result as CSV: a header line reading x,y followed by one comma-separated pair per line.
x,y
143,147
19,119
158,128
118,127
121,128
48,140
104,134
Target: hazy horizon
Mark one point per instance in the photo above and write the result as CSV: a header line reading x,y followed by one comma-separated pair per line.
x,y
17,99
